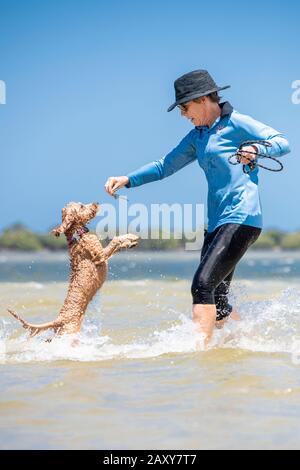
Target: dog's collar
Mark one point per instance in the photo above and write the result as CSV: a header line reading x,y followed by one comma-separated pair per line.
x,y
76,236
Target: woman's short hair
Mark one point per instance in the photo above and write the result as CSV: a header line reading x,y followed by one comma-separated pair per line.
x,y
214,97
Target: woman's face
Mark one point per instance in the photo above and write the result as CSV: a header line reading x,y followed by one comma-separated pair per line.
x,y
197,112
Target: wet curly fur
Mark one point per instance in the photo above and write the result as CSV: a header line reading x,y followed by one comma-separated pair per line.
x,y
88,267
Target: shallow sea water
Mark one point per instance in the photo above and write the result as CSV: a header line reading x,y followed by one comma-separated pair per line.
x,y
135,378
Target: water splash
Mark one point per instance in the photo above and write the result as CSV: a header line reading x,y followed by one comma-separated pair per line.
x,y
271,326
89,346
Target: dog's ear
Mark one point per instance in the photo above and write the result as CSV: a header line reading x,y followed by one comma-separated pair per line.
x,y
57,231
62,228
67,220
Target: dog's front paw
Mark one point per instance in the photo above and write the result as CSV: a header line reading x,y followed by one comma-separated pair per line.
x,y
129,240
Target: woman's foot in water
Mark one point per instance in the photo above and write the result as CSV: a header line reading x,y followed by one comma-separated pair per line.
x,y
233,316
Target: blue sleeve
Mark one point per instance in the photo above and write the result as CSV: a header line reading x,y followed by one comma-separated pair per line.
x,y
256,130
178,158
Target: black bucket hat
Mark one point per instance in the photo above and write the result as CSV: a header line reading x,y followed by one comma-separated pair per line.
x,y
193,85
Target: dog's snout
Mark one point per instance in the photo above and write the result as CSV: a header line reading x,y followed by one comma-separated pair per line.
x,y
98,209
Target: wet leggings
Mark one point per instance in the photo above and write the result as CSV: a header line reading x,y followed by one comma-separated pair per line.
x,y
221,251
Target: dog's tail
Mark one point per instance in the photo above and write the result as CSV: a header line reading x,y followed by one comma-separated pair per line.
x,y
36,329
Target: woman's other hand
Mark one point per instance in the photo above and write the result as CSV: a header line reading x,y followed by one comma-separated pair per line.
x,y
244,156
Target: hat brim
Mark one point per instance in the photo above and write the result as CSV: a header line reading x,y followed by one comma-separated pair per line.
x,y
193,96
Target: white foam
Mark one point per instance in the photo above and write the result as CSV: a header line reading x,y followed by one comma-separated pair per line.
x,y
266,326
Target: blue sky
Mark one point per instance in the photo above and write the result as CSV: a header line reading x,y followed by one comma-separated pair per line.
x,y
88,85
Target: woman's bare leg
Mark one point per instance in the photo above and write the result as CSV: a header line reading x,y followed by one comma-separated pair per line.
x,y
204,316
233,316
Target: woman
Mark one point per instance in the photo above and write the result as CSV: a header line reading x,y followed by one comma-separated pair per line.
x,y
234,209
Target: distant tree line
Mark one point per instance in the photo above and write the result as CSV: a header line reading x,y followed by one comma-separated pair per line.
x,y
19,237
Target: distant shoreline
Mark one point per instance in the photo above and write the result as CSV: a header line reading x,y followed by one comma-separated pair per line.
x,y
63,255
18,237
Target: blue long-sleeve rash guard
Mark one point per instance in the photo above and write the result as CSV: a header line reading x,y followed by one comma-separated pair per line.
x,y
233,196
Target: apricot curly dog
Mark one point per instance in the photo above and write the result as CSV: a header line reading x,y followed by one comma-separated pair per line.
x,y
88,263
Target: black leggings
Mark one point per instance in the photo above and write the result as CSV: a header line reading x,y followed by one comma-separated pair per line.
x,y
221,251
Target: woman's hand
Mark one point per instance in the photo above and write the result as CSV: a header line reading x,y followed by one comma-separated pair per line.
x,y
115,182
244,156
